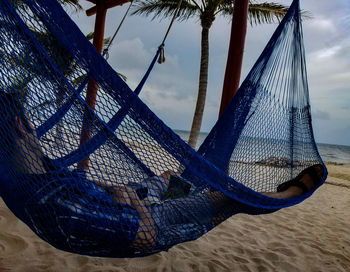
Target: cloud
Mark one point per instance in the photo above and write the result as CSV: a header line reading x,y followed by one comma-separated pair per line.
x,y
322,24
129,54
167,91
327,52
319,114
329,70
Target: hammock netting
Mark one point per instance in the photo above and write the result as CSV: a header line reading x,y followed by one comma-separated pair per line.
x,y
144,189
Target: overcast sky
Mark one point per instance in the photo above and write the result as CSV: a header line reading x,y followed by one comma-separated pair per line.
x,y
172,88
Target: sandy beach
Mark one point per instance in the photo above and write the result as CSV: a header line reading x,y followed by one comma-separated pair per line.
x,y
312,236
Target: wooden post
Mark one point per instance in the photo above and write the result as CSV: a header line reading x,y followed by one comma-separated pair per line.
x,y
235,53
107,3
100,9
92,87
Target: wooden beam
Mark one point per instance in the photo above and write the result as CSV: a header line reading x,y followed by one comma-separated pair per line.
x,y
108,4
100,10
235,53
92,87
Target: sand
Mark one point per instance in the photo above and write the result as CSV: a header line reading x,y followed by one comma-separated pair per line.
x,y
312,236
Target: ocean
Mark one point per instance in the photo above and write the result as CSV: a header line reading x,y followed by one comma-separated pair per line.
x,y
329,152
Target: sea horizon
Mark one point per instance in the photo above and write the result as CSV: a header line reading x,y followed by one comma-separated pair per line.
x,y
330,153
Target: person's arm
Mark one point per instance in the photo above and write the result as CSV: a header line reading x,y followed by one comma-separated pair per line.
x,y
146,234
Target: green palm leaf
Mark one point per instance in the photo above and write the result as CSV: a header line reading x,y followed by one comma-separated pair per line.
x,y
165,8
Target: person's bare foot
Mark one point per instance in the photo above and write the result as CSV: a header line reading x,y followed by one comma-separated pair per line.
x,y
302,184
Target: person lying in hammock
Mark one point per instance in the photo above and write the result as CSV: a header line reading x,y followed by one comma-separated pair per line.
x,y
161,217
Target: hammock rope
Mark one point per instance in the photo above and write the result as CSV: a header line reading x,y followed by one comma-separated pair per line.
x,y
161,58
105,51
161,54
145,189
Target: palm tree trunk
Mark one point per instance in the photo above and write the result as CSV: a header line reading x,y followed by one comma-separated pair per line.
x,y
202,89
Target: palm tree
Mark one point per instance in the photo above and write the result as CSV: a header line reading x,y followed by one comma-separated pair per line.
x,y
206,11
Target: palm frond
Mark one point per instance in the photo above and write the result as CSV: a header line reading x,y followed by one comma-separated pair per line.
x,y
90,36
73,3
260,13
106,41
123,77
165,8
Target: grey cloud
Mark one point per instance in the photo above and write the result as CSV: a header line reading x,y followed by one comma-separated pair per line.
x,y
319,114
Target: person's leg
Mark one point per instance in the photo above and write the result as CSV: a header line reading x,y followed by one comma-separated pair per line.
x,y
303,183
182,219
187,218
224,207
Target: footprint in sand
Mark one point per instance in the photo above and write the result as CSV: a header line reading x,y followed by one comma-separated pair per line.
x,y
11,244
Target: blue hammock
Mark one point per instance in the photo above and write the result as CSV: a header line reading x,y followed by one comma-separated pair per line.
x,y
122,205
